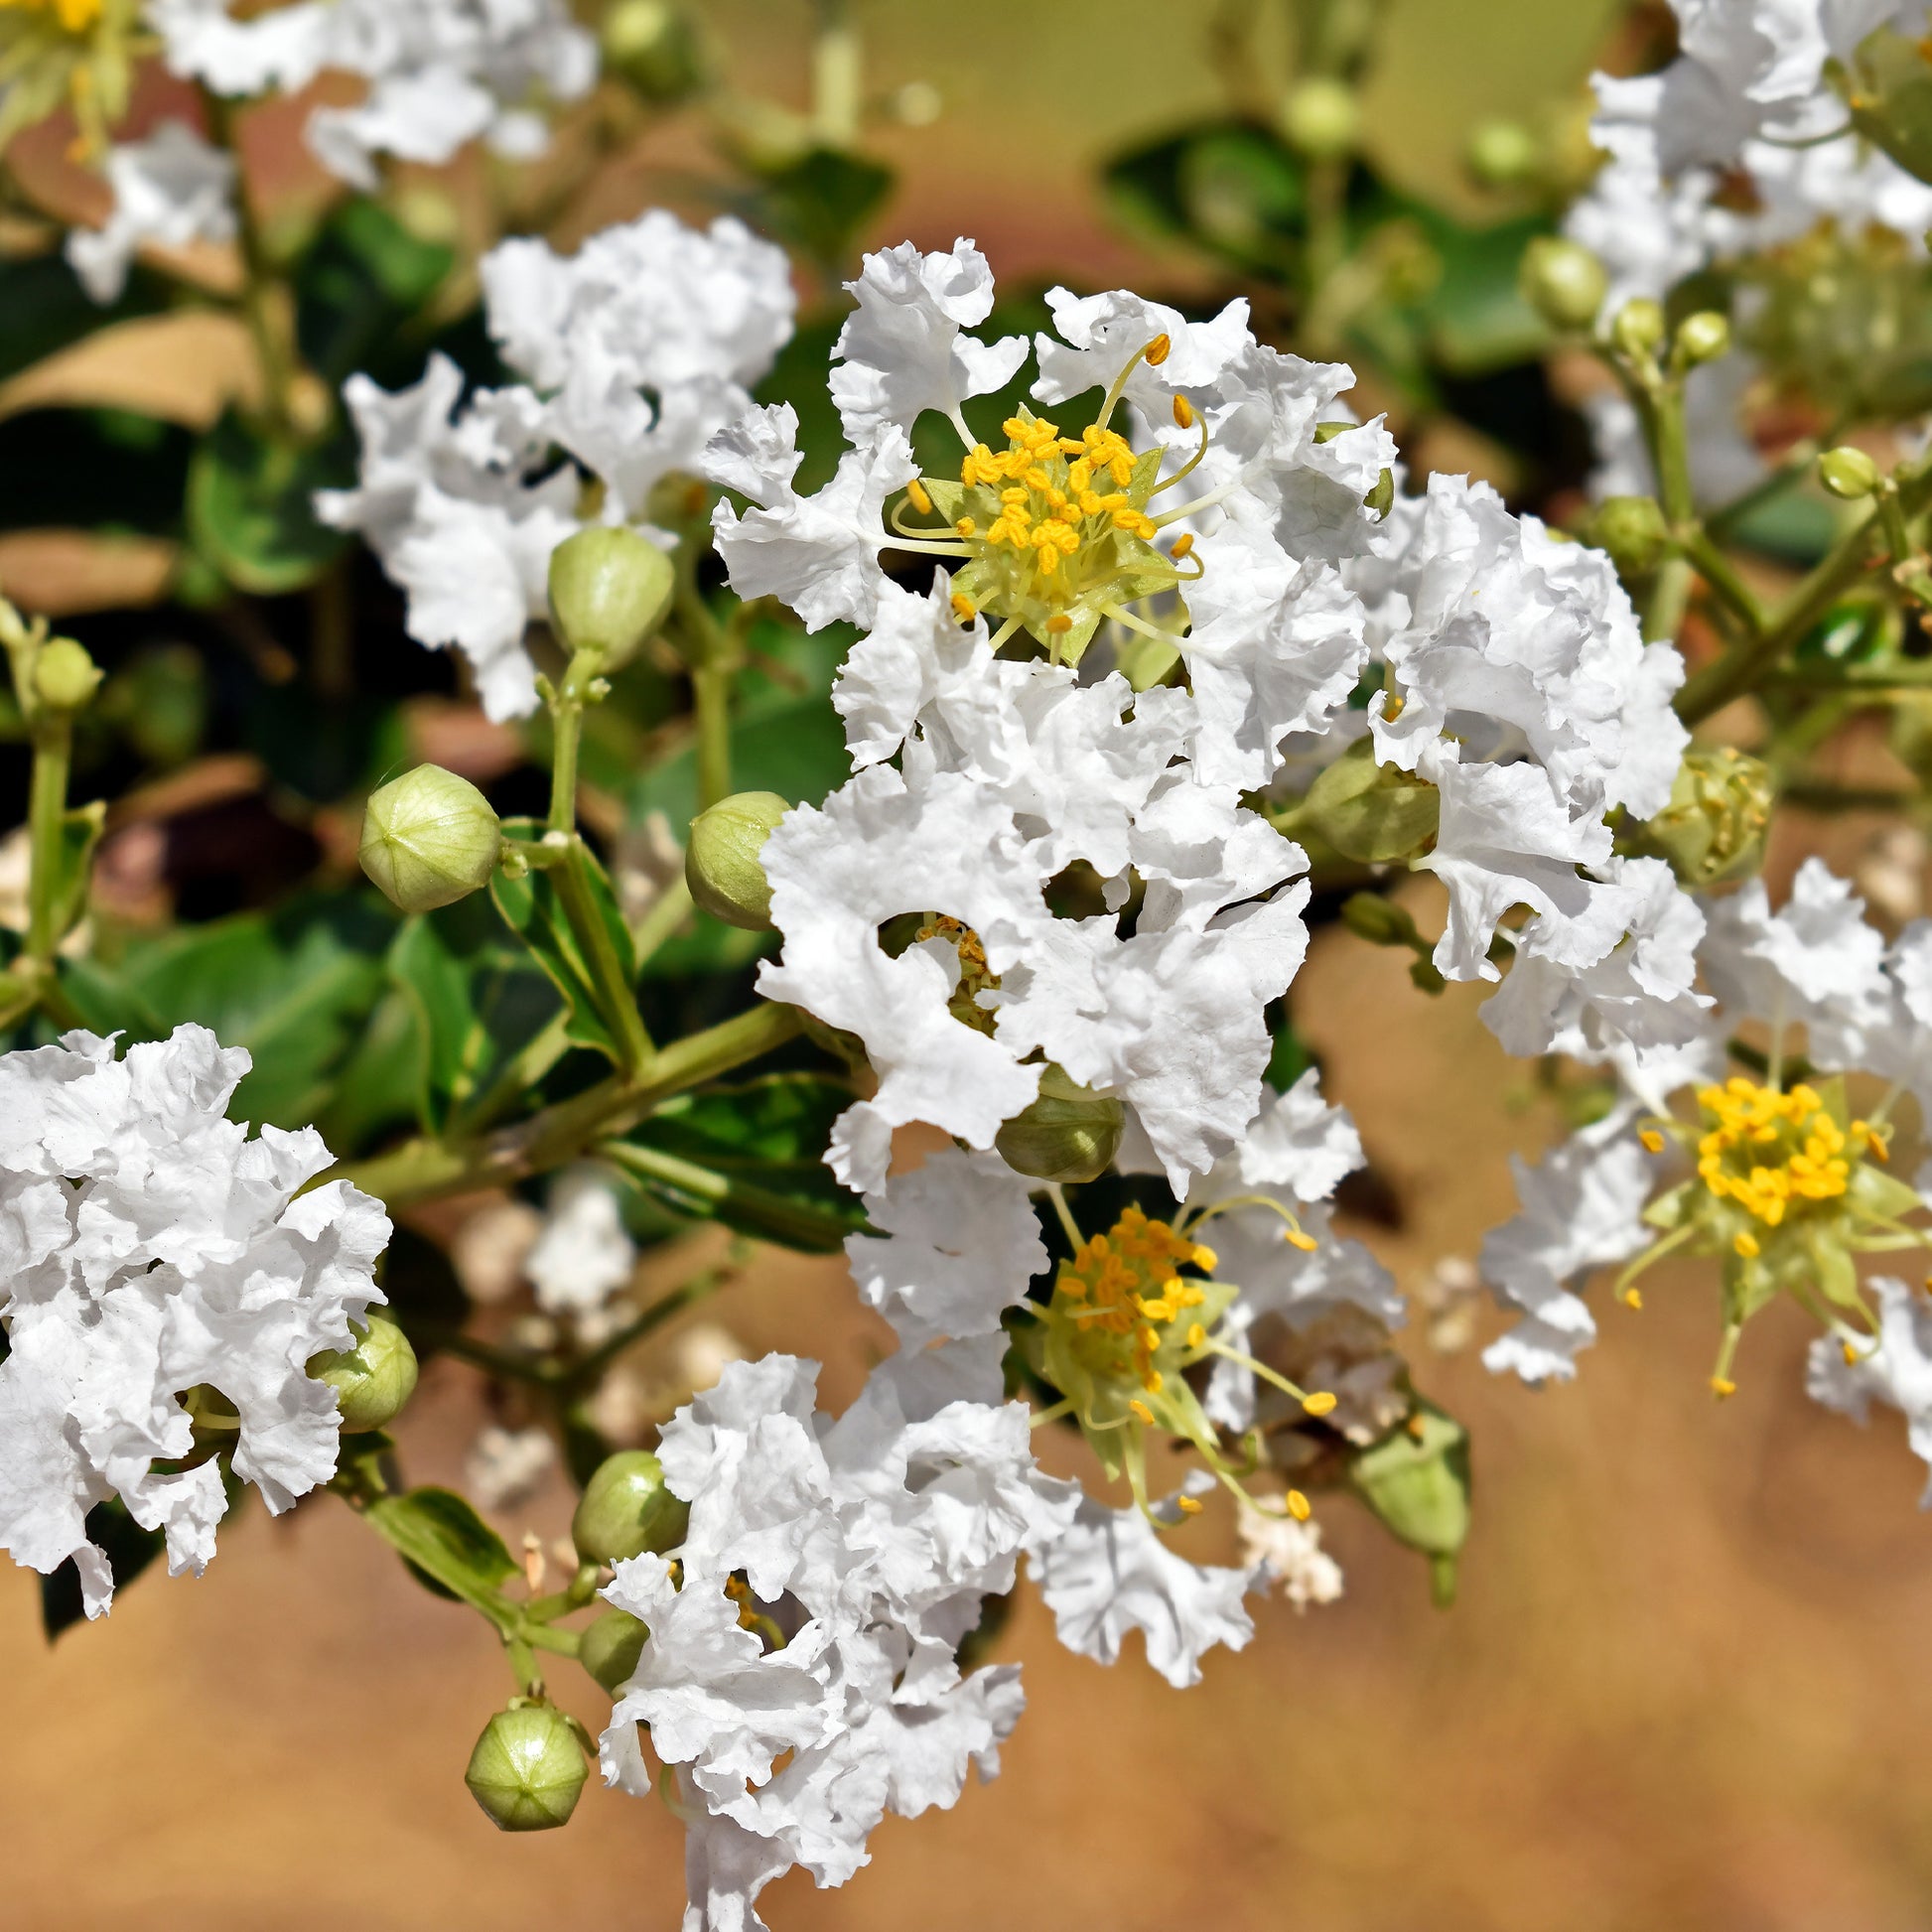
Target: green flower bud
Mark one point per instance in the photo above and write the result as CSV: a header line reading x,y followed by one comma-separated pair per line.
x,y
1503,154
625,1509
609,590
1632,529
1714,824
654,48
1639,327
429,837
1703,337
1562,282
64,677
1321,118
610,1649
1379,921
1417,1482
1067,1132
527,1769
721,863
1847,472
1375,814
372,1378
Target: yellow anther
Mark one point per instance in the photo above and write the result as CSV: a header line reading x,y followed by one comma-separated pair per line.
x,y
1158,350
1196,1334
1851,1356
1182,544
1141,1411
1632,1298
1059,624
1205,1259
1299,1506
967,527
1154,1381
963,607
1320,1403
1300,1238
1746,1245
922,502
1722,1385
1653,1142
1184,413
1189,1505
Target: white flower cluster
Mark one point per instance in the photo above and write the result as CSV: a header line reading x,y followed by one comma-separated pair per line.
x,y
440,74
634,351
151,1249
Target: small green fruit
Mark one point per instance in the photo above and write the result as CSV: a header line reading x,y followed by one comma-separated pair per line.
x,y
1067,1132
1562,282
527,1769
1321,118
1847,473
1639,327
609,590
625,1509
429,837
721,863
64,677
1503,154
610,1649
374,1378
1632,529
1703,337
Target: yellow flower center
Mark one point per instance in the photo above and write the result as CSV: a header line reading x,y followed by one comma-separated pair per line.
x,y
1771,1152
75,15
1126,1308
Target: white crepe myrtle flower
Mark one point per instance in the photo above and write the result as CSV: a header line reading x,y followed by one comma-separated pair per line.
x,y
154,1251
1012,773
582,1256
635,351
1064,536
439,73
1893,1366
169,190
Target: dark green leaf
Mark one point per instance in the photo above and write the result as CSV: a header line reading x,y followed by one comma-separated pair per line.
x,y
250,507
449,1548
819,203
364,280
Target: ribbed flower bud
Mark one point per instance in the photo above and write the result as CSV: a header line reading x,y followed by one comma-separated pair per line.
x,y
1639,327
527,1769
1714,823
374,1378
1321,118
625,1509
429,837
1703,337
1417,1481
610,1649
609,590
1632,529
721,862
64,677
1847,472
654,48
1066,1133
1562,282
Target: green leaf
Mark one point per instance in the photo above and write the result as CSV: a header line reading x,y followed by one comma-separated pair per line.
x,y
533,910
364,280
129,1549
43,307
819,202
448,1546
1474,317
250,507
79,834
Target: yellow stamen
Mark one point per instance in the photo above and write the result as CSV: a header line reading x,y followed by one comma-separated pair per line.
x,y
1320,1403
1196,1334
1182,544
1852,1356
1632,1298
1300,1238
1653,1142
1722,1385
1059,624
1299,1506
1184,412
922,502
1141,1413
1189,1505
1205,1259
1158,349
1746,1245
963,607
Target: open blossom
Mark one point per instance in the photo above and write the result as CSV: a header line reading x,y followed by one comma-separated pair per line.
x,y
171,188
1062,532
152,1249
1010,773
439,73
636,351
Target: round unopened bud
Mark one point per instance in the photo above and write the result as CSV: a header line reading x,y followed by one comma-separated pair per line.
x,y
527,1769
1321,118
654,48
1847,472
721,862
429,837
1562,282
374,1378
1632,529
610,1649
1502,153
1639,327
609,590
1703,337
1066,1133
64,677
625,1509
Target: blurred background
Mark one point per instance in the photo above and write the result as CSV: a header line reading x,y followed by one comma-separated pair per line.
x,y
1684,1685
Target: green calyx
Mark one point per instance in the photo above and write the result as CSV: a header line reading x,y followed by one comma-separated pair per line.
x,y
610,588
429,837
372,1378
721,859
1375,814
527,1769
1416,1482
1714,824
627,1509
1068,1133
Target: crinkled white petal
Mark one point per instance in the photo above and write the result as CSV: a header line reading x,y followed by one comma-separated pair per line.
x,y
171,188
1896,1370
